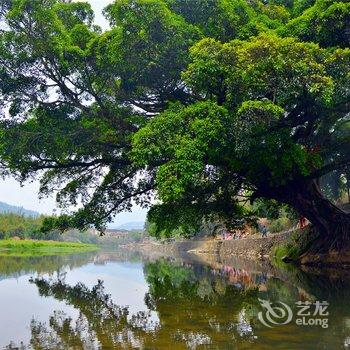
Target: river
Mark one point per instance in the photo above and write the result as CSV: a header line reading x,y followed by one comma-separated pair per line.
x,y
121,300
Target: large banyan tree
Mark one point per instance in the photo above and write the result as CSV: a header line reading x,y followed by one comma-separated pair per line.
x,y
198,102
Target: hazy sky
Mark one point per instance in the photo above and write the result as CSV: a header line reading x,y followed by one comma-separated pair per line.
x,y
27,196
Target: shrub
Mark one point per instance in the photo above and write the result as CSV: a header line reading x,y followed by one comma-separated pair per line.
x,y
280,224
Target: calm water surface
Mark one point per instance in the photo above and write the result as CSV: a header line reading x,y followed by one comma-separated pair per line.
x,y
115,300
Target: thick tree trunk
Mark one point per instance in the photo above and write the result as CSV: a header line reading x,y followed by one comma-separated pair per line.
x,y
331,223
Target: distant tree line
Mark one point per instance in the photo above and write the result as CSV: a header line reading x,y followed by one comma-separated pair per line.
x,y
17,225
29,227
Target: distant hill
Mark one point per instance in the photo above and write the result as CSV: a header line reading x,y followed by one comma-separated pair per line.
x,y
133,225
7,208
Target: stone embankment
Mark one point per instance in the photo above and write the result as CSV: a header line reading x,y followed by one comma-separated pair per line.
x,y
254,247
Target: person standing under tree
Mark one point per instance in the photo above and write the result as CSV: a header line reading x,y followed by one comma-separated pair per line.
x,y
264,231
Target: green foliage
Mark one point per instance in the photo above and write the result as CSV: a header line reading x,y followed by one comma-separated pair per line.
x,y
171,229
289,250
279,225
173,220
23,227
269,209
281,70
185,138
326,22
40,228
221,19
151,44
297,244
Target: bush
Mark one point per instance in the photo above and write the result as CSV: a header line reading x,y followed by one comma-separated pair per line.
x,y
280,224
290,250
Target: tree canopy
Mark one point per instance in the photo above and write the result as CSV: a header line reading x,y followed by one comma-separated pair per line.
x,y
198,103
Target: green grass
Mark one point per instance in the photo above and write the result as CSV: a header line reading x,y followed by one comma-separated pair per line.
x,y
296,245
10,247
289,250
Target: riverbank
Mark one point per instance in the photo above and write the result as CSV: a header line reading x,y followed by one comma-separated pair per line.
x,y
253,247
40,247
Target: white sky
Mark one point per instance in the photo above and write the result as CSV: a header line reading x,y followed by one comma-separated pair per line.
x,y
27,196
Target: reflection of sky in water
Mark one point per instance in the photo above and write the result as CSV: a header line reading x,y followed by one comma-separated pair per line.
x,y
197,306
124,281
20,301
243,326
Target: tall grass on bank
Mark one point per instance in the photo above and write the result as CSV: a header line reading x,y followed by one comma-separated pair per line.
x,y
296,245
35,247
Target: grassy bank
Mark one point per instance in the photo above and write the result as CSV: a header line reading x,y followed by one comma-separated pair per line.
x,y
34,247
297,250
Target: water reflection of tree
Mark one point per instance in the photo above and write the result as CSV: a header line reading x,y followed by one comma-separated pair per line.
x,y
192,311
214,295
333,286
173,282
196,306
101,323
11,266
200,303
